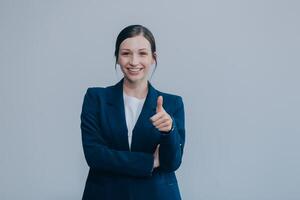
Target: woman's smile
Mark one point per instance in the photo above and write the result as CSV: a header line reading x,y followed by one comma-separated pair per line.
x,y
134,71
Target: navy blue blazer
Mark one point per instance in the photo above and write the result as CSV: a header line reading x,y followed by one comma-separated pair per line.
x,y
117,172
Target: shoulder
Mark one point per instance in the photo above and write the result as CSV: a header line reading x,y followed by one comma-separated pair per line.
x,y
169,96
94,90
173,99
97,91
93,97
100,94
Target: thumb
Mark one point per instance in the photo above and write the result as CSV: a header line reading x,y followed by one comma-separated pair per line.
x,y
159,106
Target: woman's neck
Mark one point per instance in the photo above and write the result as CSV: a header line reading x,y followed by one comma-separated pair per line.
x,y
136,89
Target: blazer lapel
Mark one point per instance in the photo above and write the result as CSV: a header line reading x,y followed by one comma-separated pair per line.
x,y
116,116
143,131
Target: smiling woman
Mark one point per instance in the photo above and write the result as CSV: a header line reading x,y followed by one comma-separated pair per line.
x,y
132,134
135,59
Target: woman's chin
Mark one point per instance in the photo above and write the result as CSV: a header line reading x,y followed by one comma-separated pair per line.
x,y
135,79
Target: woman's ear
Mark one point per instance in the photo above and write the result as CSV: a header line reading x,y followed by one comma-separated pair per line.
x,y
154,57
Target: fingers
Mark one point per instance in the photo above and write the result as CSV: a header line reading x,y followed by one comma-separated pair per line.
x,y
156,157
157,116
162,121
165,129
159,106
157,149
163,126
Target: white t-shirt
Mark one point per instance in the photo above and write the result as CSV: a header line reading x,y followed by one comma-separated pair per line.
x,y
133,107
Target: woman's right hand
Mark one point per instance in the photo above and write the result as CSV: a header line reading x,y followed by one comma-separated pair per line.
x,y
156,157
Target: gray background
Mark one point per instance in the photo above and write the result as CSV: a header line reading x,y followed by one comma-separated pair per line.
x,y
236,64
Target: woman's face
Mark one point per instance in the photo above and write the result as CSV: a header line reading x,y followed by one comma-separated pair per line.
x,y
135,58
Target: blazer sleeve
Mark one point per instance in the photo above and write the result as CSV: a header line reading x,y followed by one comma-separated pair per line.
x,y
172,143
97,153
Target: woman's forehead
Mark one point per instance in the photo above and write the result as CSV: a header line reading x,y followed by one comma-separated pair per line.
x,y
137,42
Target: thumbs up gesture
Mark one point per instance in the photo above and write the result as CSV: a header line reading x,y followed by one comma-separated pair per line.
x,y
161,120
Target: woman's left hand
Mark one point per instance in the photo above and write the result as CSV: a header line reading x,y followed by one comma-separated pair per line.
x,y
161,120
156,157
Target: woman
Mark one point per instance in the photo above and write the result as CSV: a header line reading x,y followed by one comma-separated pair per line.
x,y
132,134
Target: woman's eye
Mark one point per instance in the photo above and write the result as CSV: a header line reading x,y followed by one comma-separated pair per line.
x,y
124,54
143,53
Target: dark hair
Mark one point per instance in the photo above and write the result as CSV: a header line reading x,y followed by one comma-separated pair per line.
x,y
132,31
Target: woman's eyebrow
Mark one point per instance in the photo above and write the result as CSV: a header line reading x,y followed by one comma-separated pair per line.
x,y
138,49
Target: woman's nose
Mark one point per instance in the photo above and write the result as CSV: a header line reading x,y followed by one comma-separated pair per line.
x,y
134,60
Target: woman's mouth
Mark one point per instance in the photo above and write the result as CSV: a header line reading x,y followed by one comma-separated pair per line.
x,y
134,70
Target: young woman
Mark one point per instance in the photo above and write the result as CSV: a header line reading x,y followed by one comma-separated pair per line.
x,y
132,134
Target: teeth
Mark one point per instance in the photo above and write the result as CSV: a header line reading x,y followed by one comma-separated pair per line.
x,y
134,69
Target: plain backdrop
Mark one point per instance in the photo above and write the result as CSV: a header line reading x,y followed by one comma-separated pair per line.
x,y
235,63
